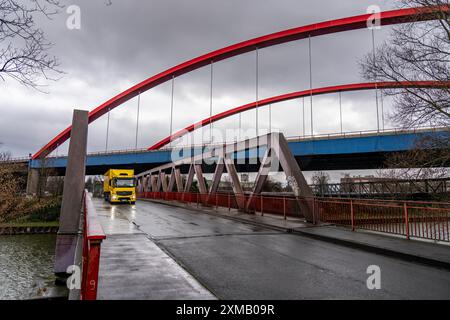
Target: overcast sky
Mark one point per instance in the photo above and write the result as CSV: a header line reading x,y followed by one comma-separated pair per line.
x,y
121,44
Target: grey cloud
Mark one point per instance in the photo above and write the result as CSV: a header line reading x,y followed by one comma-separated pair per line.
x,y
126,42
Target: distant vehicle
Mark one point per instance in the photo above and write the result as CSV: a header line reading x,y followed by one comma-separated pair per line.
x,y
119,186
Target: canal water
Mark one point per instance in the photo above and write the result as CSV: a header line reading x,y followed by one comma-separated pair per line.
x,y
26,266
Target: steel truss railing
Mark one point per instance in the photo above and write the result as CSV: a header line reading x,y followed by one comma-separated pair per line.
x,y
276,154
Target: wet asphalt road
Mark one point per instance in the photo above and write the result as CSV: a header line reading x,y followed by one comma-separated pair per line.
x,y
240,261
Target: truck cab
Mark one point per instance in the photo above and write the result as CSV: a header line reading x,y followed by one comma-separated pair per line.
x,y
119,186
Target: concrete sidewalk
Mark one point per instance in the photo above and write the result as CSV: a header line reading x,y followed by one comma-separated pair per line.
x,y
434,254
429,253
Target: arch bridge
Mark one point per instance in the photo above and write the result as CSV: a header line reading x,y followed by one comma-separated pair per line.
x,y
340,151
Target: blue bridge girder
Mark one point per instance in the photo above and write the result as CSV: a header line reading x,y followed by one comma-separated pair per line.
x,y
356,151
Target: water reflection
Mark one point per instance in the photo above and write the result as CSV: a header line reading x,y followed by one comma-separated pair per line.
x,y
26,265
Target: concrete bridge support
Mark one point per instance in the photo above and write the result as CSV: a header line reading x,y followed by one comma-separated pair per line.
x,y
33,182
72,203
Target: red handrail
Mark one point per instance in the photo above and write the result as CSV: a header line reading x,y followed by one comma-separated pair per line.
x,y
93,235
429,220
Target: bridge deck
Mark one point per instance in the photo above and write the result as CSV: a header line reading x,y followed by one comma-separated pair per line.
x,y
134,267
235,260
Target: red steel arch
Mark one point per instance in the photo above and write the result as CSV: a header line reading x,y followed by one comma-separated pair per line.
x,y
296,95
313,30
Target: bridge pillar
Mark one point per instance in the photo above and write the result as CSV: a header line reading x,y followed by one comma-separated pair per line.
x,y
72,203
32,182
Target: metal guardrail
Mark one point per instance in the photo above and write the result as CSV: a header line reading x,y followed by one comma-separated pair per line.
x,y
411,219
387,187
349,134
93,235
15,160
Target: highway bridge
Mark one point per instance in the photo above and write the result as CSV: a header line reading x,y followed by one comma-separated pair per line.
x,y
362,150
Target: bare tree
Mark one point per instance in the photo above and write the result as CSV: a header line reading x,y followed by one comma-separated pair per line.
x,y
416,51
429,159
55,185
320,178
24,50
320,181
9,188
14,205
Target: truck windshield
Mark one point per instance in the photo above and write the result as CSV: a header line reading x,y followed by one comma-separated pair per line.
x,y
124,183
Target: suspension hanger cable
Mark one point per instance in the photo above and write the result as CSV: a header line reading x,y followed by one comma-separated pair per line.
x,y
304,129
270,118
211,103
240,126
171,110
340,110
137,120
107,130
376,86
382,110
310,85
257,90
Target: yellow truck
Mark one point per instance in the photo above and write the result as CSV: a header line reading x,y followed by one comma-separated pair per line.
x,y
119,186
